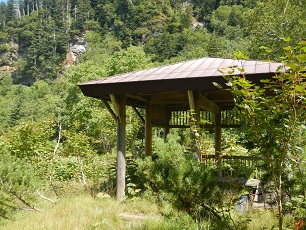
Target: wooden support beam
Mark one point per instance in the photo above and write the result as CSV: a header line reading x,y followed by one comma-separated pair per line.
x,y
138,114
167,128
109,108
191,100
116,105
137,97
193,97
148,128
218,148
121,147
208,105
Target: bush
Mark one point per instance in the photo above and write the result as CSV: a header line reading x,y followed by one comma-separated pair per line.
x,y
17,184
177,177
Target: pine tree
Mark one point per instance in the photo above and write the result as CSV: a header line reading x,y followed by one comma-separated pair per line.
x,y
81,12
3,10
10,12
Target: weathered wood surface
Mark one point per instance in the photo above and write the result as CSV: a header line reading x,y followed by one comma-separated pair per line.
x,y
120,103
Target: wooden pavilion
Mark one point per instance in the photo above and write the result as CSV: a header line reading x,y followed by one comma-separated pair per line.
x,y
168,92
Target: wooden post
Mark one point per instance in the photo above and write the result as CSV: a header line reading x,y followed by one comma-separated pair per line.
x,y
121,162
148,128
218,143
166,132
193,97
167,129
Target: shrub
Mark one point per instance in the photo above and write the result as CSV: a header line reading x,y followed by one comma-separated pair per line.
x,y
17,184
175,176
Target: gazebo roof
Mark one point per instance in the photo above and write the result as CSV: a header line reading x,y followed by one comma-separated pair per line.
x,y
169,84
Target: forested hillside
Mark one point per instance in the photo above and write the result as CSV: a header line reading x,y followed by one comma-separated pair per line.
x,y
37,34
50,134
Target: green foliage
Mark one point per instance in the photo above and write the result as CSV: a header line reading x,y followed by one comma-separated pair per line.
x,y
124,36
100,48
196,45
77,107
31,142
86,171
133,58
4,47
227,17
75,144
232,144
17,184
275,118
177,177
22,103
204,8
272,21
165,46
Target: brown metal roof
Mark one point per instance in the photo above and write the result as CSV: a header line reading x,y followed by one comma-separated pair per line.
x,y
178,78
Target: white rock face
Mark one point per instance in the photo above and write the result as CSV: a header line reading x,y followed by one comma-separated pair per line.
x,y
78,49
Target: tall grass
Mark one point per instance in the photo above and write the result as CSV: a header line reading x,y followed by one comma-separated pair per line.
x,y
86,212
83,211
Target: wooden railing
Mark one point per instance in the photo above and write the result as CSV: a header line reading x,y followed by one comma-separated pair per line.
x,y
180,118
235,166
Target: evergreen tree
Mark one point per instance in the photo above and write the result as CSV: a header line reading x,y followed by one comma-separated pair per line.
x,y
10,12
3,9
81,12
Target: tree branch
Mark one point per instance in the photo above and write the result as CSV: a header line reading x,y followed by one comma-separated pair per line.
x,y
45,198
25,202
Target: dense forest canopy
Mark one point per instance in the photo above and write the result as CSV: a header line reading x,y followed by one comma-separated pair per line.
x,y
48,46
35,35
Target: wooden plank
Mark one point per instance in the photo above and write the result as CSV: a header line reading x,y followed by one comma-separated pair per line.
x,y
121,147
148,128
109,108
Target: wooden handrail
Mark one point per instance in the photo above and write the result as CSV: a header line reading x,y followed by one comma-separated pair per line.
x,y
234,166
